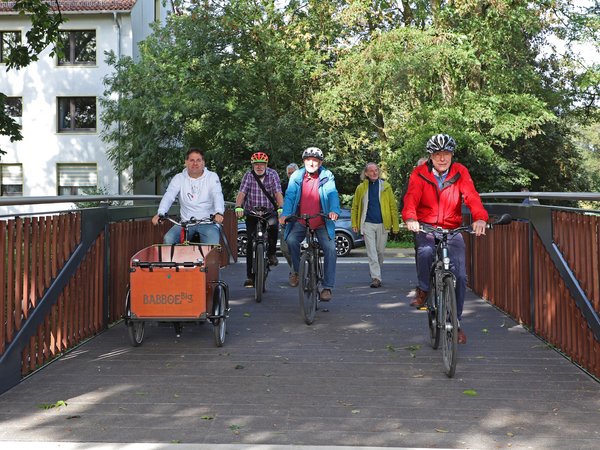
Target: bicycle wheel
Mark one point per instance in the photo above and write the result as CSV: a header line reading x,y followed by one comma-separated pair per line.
x,y
307,288
267,267
136,333
135,330
320,268
432,314
259,271
450,328
219,309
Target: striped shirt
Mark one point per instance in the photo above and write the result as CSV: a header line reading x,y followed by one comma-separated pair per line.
x,y
255,197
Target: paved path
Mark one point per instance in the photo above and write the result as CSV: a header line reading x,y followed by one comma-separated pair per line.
x,y
362,376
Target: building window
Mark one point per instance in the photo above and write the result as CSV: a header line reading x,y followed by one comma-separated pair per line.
x,y
8,40
76,114
13,106
76,179
11,179
78,48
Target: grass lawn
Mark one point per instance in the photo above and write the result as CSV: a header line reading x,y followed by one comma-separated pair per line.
x,y
400,244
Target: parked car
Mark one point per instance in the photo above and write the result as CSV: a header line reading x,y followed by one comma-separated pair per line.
x,y
345,238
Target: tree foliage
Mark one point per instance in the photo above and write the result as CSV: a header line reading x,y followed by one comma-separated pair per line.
x,y
364,79
44,31
222,79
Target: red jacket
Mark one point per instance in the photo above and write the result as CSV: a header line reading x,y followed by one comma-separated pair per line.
x,y
425,202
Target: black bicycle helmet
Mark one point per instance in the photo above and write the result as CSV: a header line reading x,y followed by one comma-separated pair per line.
x,y
314,152
441,143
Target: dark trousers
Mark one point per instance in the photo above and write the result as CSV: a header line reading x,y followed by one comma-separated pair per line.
x,y
251,225
425,254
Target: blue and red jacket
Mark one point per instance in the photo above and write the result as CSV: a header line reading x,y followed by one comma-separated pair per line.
x,y
330,202
426,202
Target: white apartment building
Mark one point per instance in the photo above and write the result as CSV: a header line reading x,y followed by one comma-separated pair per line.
x,y
56,100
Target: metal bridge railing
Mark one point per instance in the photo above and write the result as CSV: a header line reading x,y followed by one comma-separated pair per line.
x,y
65,275
544,270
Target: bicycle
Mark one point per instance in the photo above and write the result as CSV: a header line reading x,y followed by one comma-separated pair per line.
x,y
260,248
310,272
185,239
441,302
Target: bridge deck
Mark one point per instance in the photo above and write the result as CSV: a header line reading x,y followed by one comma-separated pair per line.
x,y
362,375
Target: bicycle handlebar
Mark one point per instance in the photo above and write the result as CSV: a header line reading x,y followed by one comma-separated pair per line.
x,y
187,223
305,217
260,213
504,219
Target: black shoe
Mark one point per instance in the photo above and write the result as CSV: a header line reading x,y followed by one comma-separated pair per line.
x,y
249,283
273,261
375,283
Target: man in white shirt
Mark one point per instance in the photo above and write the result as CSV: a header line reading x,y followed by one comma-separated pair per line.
x,y
200,196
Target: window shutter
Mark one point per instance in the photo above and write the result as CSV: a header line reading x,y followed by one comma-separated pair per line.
x,y
77,175
12,174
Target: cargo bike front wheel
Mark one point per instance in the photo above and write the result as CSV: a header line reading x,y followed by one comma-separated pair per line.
x,y
220,311
135,329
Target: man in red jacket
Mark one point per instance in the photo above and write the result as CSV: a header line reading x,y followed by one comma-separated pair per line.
x,y
434,196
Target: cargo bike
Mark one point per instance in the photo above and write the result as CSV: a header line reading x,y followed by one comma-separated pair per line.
x,y
177,283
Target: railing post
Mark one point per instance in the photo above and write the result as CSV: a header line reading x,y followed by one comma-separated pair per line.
x,y
106,275
531,276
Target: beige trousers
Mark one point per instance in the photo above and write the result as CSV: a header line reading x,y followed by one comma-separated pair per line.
x,y
375,241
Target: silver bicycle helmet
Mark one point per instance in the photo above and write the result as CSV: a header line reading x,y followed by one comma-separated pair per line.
x,y
314,152
441,143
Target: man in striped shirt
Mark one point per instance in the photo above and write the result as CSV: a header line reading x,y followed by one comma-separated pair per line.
x,y
252,196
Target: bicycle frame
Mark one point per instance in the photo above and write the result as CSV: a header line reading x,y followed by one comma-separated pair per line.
x,y
310,271
260,240
440,268
313,248
262,232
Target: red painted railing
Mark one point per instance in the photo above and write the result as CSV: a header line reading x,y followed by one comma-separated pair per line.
x,y
33,251
525,281
516,273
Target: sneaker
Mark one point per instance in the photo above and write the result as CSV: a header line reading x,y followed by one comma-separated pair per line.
x,y
375,283
273,261
294,279
420,299
462,337
249,283
325,295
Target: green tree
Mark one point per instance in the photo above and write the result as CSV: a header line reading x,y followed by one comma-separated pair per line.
x,y
474,70
365,80
231,80
45,24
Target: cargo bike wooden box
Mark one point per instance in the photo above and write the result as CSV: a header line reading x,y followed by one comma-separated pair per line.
x,y
176,283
